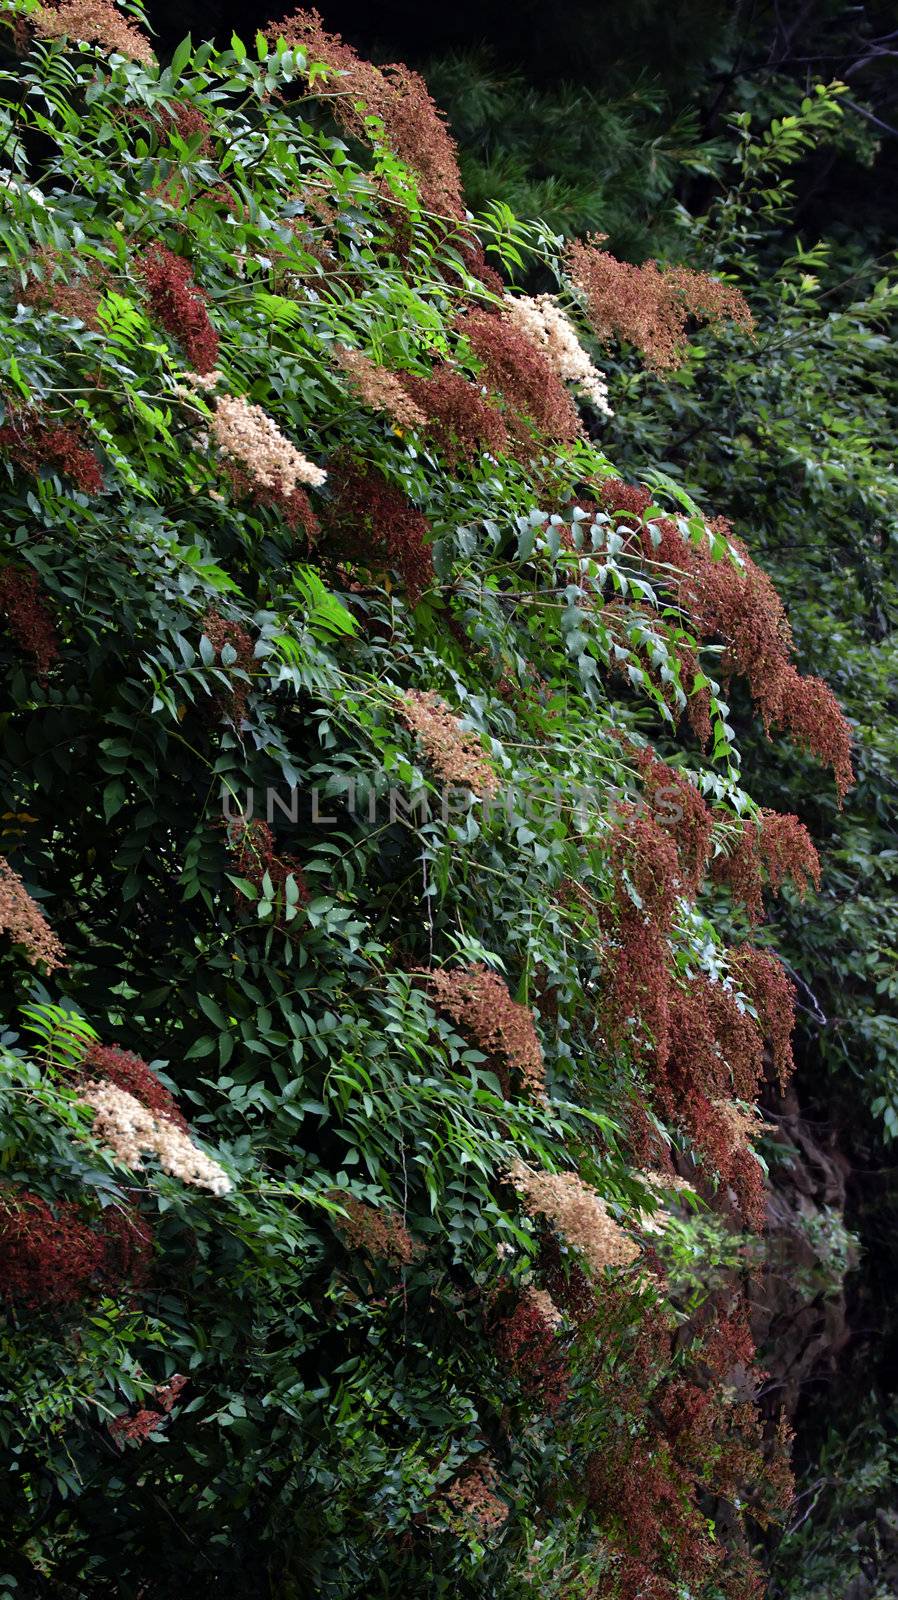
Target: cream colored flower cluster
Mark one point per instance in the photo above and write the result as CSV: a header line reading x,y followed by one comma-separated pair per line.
x,y
456,756
378,388
249,435
131,1131
543,1303
25,923
741,1125
472,1498
543,321
578,1213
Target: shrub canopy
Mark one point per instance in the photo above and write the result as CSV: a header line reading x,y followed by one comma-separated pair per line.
x,y
373,822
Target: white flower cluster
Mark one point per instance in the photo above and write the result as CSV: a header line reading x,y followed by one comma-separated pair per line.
x,y
131,1131
249,435
543,321
19,186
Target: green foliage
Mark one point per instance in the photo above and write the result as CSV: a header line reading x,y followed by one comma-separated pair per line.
x,y
844,1532
583,159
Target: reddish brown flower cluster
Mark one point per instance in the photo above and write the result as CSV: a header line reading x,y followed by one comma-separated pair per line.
x,y
712,1052
52,1256
698,702
25,924
472,1498
673,1436
252,846
517,369
525,1340
221,632
479,1003
779,844
294,506
704,1048
637,1488
734,600
78,298
474,257
92,22
645,864
129,1072
646,871
178,302
682,1439
371,522
136,1429
810,712
763,977
186,121
29,621
456,756
681,811
376,1231
647,307
458,417
413,126
34,443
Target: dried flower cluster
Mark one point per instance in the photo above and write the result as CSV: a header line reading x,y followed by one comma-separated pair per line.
x,y
742,1124
78,298
247,434
712,1052
579,1214
29,621
458,417
521,372
777,843
53,1256
681,811
377,1231
473,1498
295,508
763,977
543,321
34,443
178,302
186,121
413,126
379,388
455,756
252,846
734,600
478,1001
92,22
670,1434
647,307
524,1339
130,1130
370,521
136,1429
221,633
25,924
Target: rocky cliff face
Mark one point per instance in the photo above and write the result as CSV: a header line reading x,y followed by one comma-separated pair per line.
x,y
824,1338
799,1311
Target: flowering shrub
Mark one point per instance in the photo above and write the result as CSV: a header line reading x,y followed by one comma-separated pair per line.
x,y
321,532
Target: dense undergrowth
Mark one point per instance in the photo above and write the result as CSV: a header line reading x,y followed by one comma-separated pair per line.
x,y
385,1020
